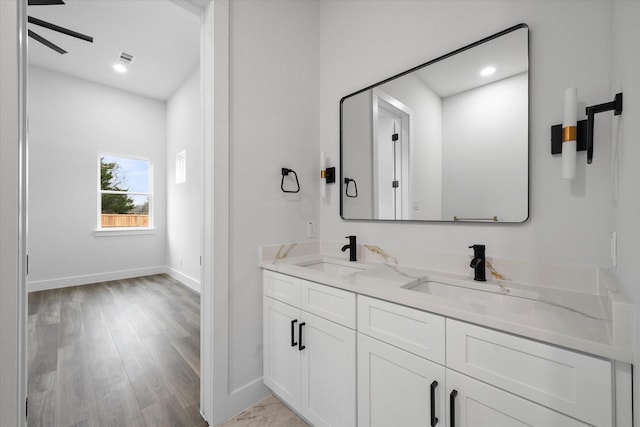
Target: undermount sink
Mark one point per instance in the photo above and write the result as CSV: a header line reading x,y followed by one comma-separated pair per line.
x,y
342,268
478,294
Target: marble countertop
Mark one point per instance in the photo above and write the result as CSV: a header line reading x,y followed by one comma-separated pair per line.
x,y
595,320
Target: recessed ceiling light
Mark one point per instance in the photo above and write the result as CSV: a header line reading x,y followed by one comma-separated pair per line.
x,y
120,68
487,71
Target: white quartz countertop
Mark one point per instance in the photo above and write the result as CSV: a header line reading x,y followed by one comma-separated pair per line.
x,y
599,323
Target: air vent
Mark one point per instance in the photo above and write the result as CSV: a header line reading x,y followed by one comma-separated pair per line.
x,y
126,58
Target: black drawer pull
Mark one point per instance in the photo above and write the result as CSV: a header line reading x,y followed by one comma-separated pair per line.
x,y
300,346
293,331
434,419
452,407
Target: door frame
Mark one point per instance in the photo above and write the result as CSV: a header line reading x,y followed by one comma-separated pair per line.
x,y
214,297
390,103
215,269
13,209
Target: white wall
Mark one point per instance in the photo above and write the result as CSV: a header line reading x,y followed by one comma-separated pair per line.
x,y
626,173
71,121
569,221
184,200
274,124
484,171
358,155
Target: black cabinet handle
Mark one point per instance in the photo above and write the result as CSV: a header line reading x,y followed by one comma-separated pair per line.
x,y
434,419
452,408
300,346
293,329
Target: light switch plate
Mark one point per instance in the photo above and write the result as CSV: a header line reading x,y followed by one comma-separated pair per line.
x,y
311,229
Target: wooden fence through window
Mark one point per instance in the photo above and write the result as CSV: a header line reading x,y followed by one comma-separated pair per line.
x,y
124,220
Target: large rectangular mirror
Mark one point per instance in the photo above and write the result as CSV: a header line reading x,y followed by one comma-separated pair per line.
x,y
445,141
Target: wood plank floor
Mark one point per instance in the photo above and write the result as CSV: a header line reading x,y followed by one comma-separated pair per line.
x,y
120,353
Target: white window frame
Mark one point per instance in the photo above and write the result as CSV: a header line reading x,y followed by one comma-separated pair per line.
x,y
123,231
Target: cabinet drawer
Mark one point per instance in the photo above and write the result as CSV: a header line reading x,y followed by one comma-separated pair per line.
x,y
330,303
282,287
569,382
412,330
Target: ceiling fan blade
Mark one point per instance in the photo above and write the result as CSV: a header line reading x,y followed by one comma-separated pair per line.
x,y
45,2
59,29
46,42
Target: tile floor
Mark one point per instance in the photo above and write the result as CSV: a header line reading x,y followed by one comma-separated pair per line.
x,y
269,412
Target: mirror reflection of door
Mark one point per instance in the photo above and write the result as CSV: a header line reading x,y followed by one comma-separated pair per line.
x,y
391,158
465,128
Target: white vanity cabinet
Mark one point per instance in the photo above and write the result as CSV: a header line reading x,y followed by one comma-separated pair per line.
x,y
310,348
485,377
399,381
415,368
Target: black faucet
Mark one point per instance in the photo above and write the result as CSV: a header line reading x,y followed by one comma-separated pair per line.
x,y
352,248
478,263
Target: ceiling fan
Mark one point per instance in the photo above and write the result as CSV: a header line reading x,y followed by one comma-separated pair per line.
x,y
50,26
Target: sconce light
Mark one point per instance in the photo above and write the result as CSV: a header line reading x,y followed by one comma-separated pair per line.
x,y
569,133
328,174
578,134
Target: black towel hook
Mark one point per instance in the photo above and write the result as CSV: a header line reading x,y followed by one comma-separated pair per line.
x,y
286,172
346,189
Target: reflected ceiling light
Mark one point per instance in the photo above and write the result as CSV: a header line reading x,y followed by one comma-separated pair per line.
x,y
487,71
120,68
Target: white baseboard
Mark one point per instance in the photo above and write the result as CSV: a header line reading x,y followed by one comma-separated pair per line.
x,y
188,281
246,396
65,282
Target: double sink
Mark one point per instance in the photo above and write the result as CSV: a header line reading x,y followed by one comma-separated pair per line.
x,y
481,293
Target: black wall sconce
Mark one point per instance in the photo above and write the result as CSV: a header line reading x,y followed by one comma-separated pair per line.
x,y
286,172
328,174
579,131
615,105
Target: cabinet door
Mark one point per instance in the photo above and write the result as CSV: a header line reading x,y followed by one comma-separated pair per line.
x,y
395,387
281,358
328,373
476,404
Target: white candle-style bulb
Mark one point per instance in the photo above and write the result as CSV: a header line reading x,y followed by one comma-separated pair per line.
x,y
569,133
323,177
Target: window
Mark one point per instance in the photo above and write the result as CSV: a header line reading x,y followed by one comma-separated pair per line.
x,y
124,199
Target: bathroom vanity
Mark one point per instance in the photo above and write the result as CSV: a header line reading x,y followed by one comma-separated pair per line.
x,y
411,339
